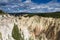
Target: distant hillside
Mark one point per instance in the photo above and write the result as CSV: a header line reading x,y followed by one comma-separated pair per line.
x,y
52,14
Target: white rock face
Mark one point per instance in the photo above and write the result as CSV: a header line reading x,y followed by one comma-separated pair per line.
x,y
31,27
6,26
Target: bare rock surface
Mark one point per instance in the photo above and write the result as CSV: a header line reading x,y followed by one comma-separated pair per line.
x,y
30,28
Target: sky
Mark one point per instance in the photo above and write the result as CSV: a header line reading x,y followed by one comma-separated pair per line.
x,y
34,1
42,1
24,6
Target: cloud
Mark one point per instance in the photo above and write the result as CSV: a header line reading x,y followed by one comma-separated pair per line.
x,y
31,7
49,7
3,1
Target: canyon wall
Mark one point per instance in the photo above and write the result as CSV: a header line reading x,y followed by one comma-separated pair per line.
x,y
29,28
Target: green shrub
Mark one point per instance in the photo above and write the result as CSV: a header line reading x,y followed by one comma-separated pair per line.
x,y
15,33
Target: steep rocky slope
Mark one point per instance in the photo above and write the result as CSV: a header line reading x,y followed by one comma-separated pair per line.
x,y
29,28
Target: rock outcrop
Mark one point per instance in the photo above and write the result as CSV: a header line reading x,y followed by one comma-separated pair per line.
x,y
29,28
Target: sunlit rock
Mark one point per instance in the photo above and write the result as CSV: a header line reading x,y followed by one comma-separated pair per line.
x,y
29,28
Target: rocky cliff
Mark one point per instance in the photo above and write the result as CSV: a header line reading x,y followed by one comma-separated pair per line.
x,y
29,28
